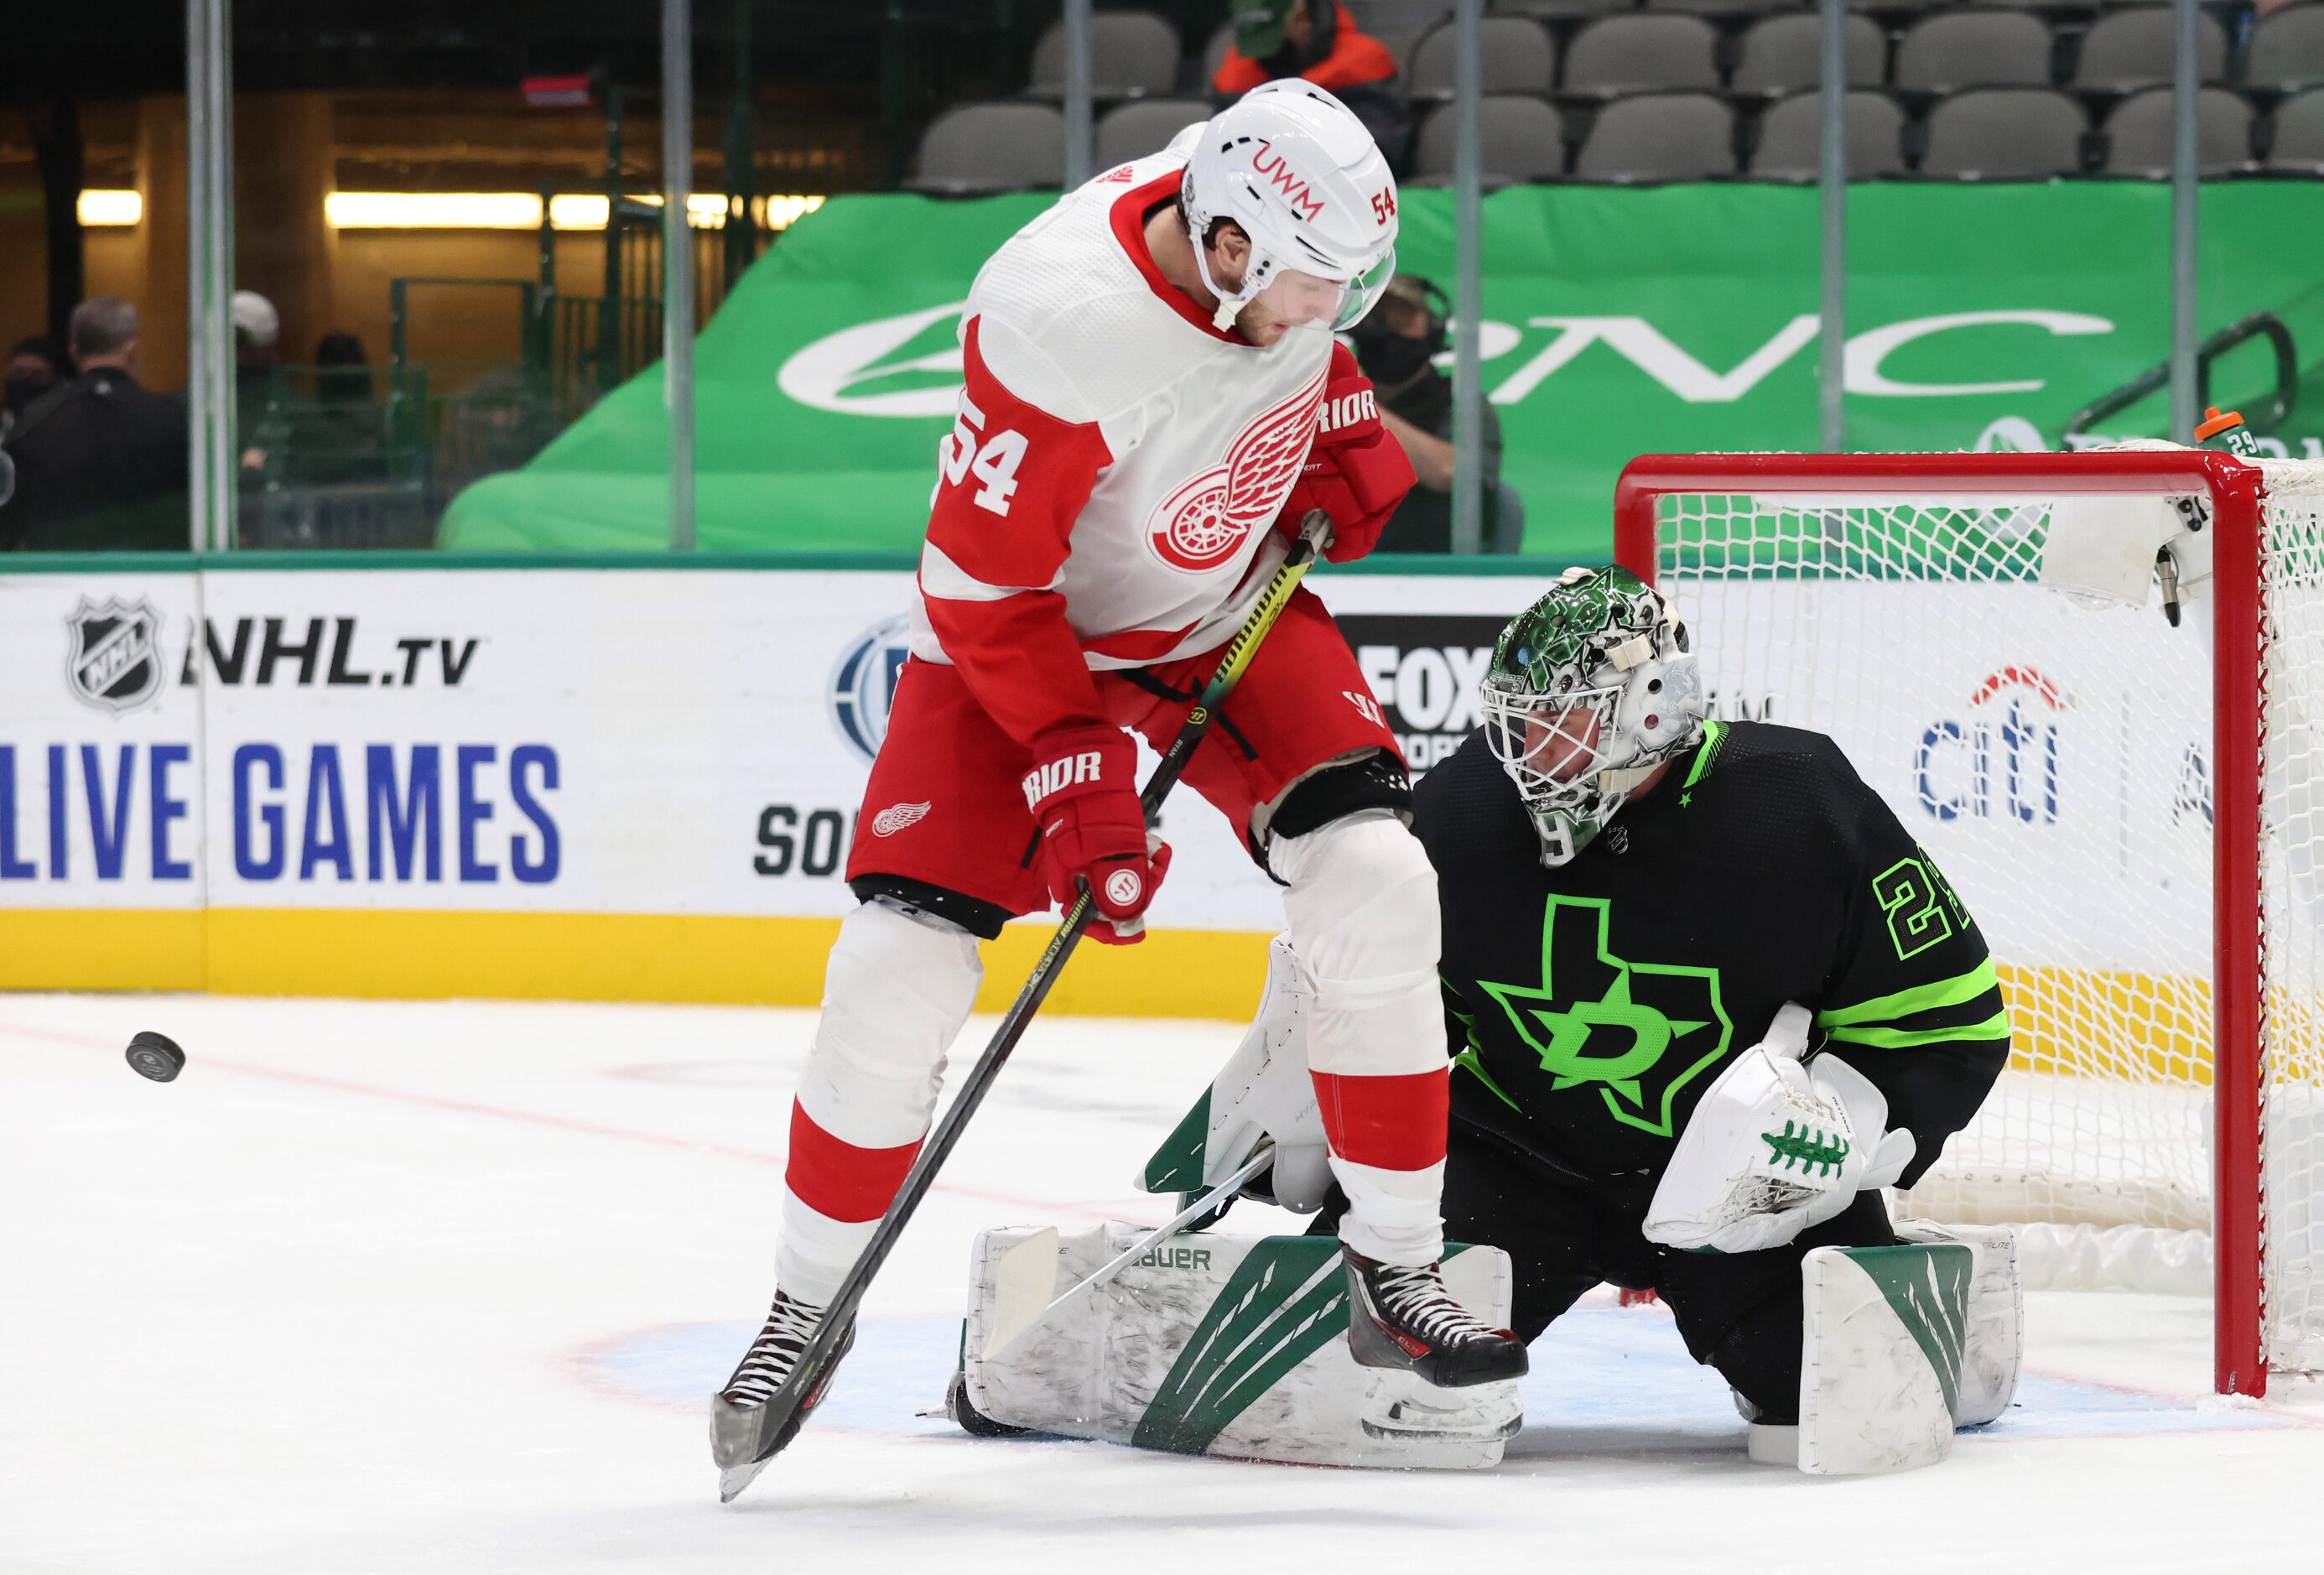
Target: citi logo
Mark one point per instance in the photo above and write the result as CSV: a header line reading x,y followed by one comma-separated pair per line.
x,y
1347,411
1048,781
1278,173
1175,1258
897,816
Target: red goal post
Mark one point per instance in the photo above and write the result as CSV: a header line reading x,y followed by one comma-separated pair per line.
x,y
1645,496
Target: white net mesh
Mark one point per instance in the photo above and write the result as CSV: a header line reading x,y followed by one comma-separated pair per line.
x,y
2056,760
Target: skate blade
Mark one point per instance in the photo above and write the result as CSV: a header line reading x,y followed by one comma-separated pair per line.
x,y
733,1479
1411,1410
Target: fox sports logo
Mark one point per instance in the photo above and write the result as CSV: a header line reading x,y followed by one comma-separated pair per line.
x,y
863,683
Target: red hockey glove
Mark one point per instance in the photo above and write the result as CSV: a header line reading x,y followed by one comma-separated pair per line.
x,y
1356,472
1084,790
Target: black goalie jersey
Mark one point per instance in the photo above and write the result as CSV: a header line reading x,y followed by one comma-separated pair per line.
x,y
1593,1004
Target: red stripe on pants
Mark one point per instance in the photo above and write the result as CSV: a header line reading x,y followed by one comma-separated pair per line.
x,y
841,1182
1395,1123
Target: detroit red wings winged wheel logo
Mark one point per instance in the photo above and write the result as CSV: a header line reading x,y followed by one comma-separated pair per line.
x,y
1206,521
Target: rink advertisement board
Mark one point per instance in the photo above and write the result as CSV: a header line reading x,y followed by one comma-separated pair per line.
x,y
644,783
615,784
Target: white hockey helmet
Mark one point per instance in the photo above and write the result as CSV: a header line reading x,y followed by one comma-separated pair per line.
x,y
1296,168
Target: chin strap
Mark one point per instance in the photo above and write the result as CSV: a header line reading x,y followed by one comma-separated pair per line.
x,y
1230,304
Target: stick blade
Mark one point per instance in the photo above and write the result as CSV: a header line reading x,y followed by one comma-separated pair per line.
x,y
1024,1283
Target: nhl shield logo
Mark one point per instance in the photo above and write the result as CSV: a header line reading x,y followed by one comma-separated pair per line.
x,y
113,653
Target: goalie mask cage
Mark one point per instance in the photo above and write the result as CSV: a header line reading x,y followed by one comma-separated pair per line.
x,y
2133,811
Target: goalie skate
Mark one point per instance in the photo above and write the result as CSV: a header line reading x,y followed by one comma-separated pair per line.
x,y
738,1410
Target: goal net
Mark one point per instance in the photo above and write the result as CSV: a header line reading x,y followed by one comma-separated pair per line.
x,y
2133,811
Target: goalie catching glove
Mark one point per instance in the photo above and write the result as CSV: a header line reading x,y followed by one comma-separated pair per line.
x,y
1775,1147
1263,1094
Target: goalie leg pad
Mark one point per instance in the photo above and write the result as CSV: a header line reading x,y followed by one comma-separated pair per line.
x,y
898,988
1996,1315
1883,1336
1362,907
1231,1346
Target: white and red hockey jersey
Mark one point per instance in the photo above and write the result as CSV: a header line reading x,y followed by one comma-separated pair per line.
x,y
1106,495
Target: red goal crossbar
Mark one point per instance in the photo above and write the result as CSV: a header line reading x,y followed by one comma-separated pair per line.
x,y
2239,694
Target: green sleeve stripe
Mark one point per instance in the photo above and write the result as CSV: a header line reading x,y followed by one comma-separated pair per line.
x,y
1959,991
1995,1026
1474,1063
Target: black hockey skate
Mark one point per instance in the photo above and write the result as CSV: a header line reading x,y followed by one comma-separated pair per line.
x,y
735,1410
1404,1319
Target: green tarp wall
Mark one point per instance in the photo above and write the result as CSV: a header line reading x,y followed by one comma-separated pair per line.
x,y
1617,322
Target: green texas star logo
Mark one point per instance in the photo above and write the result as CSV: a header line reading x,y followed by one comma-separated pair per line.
x,y
1637,1032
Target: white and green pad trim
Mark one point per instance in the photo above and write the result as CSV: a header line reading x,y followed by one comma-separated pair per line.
x,y
1232,1346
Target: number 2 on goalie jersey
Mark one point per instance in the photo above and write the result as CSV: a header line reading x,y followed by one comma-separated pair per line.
x,y
966,451
1914,905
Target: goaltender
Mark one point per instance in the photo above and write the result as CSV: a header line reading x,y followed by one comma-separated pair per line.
x,y
1706,997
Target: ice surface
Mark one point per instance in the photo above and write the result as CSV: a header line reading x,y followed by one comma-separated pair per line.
x,y
384,1286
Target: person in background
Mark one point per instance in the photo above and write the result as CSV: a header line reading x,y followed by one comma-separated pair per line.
x,y
100,461
257,329
1397,346
1319,41
340,437
36,365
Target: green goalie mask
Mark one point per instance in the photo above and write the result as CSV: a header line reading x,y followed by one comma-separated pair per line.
x,y
1590,688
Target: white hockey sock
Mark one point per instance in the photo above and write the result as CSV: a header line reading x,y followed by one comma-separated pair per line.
x,y
1393,1215
897,989
1362,907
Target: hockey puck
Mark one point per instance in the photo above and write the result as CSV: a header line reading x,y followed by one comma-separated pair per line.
x,y
156,1056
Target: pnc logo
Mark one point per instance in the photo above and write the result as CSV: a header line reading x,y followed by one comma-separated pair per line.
x,y
1275,171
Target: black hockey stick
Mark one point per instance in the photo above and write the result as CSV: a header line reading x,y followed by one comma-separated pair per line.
x,y
744,1437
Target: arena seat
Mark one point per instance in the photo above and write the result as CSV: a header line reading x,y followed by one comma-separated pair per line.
x,y
1790,145
2287,48
1723,9
1562,13
2005,134
974,149
1514,54
1142,126
1519,138
1133,54
2141,133
2298,143
1660,136
1982,48
1780,53
2125,51
1644,53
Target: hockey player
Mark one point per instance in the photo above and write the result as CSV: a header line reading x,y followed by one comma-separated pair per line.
x,y
1632,997
1153,400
